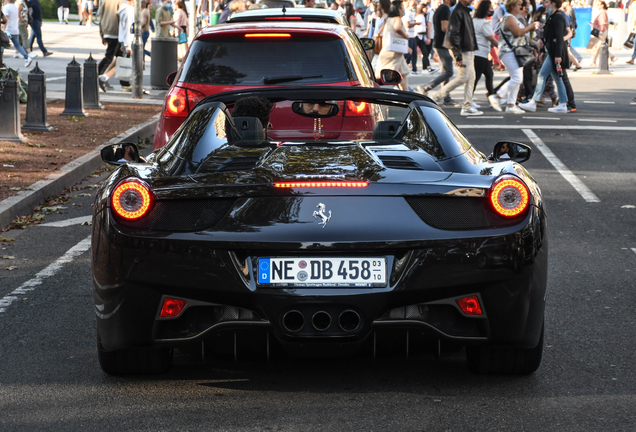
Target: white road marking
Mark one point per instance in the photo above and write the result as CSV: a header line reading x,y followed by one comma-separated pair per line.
x,y
485,117
597,120
634,249
541,118
68,222
56,78
49,271
600,102
577,184
548,127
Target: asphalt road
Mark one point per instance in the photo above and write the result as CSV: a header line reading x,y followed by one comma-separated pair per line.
x,y
50,378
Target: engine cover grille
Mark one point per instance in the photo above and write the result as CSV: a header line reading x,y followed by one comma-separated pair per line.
x,y
182,215
459,213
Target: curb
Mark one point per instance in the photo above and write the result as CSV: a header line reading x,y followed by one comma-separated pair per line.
x,y
23,202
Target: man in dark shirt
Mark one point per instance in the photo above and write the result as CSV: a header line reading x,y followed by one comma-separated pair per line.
x,y
460,38
36,27
440,24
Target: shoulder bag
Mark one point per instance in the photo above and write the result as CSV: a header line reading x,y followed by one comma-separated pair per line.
x,y
595,32
377,38
523,53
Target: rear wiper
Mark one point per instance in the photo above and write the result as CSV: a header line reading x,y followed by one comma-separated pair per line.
x,y
276,80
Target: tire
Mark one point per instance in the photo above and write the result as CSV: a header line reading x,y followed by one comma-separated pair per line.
x,y
134,361
504,360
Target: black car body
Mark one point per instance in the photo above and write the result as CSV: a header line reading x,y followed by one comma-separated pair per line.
x,y
410,199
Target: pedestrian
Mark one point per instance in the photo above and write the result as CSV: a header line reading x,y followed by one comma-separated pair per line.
x,y
512,33
495,21
36,27
109,31
460,37
556,58
63,9
631,26
23,24
12,29
87,8
600,24
382,13
350,14
421,37
126,18
3,21
485,38
408,20
392,59
162,18
440,24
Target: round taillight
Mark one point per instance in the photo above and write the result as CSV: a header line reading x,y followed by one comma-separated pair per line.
x,y
509,197
131,199
177,103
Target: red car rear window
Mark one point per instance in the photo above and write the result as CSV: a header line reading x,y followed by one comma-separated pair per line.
x,y
270,61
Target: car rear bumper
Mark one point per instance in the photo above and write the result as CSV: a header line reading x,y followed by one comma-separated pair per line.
x,y
132,275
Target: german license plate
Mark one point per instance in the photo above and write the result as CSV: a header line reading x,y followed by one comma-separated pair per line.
x,y
322,272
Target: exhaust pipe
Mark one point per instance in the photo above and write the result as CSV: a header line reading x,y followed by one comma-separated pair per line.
x,y
293,321
321,320
349,321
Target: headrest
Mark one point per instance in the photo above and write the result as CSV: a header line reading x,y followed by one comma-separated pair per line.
x,y
249,129
385,130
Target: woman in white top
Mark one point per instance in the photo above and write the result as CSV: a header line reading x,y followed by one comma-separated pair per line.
x,y
484,38
391,59
382,12
512,30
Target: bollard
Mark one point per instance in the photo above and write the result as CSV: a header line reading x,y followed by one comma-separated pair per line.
x,y
10,110
36,102
74,102
91,87
603,60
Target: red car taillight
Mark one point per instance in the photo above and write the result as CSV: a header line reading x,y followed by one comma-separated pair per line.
x,y
509,197
180,101
361,109
172,307
469,305
131,199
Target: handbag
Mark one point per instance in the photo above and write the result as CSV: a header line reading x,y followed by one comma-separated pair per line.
x,y
4,40
183,38
629,43
124,69
523,53
398,44
595,32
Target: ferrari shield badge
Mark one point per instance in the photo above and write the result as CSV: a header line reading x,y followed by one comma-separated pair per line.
x,y
321,214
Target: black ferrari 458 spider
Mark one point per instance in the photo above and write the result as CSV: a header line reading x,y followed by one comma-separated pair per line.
x,y
366,214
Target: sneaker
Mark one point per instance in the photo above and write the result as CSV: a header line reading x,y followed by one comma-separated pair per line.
x,y
450,103
127,89
33,54
17,55
530,106
416,73
431,70
28,62
48,53
66,22
102,85
560,108
515,110
476,106
572,109
470,112
438,100
494,102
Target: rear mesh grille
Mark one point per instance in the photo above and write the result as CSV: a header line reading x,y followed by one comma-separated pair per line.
x,y
445,318
182,215
239,164
400,162
459,213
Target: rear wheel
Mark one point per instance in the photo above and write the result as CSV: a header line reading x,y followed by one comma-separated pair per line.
x,y
134,361
502,359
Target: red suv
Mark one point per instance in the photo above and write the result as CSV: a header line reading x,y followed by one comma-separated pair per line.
x,y
254,54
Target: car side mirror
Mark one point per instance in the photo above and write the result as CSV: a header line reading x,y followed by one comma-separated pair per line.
x,y
367,43
119,154
510,150
170,78
390,77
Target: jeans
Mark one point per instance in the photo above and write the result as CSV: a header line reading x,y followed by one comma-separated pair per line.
x,y
421,43
16,43
511,88
36,33
546,70
465,76
412,58
483,66
634,53
144,38
446,61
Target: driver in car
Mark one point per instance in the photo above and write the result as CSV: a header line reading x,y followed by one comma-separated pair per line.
x,y
323,108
